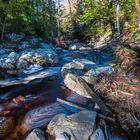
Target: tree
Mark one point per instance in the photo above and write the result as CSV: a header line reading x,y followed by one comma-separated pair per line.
x,y
49,2
118,16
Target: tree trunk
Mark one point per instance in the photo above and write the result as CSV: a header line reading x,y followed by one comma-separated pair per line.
x,y
58,22
118,16
70,10
137,6
111,21
51,18
3,29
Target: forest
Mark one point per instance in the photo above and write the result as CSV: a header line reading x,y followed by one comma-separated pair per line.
x,y
69,70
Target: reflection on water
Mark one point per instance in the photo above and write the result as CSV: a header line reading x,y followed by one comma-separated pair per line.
x,y
16,101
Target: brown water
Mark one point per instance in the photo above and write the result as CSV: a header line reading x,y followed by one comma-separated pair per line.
x,y
25,98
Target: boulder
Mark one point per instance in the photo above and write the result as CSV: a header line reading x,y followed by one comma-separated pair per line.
x,y
7,124
36,134
9,62
98,135
79,126
77,66
41,56
84,68
35,40
78,46
22,64
24,45
73,84
15,37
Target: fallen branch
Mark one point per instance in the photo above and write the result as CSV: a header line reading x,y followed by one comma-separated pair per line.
x,y
94,96
82,108
105,129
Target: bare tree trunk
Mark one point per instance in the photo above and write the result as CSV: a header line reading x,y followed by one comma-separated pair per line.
x,y
111,21
51,18
137,5
118,16
70,10
3,29
58,22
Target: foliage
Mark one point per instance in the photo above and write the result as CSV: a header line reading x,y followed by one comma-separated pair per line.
x,y
30,17
84,18
99,16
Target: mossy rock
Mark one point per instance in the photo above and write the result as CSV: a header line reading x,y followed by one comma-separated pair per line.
x,y
7,124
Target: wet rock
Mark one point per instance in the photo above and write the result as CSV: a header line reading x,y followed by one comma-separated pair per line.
x,y
24,45
77,66
88,70
33,69
5,51
15,37
78,126
15,63
7,124
78,46
40,56
98,135
36,134
22,64
49,72
9,63
35,40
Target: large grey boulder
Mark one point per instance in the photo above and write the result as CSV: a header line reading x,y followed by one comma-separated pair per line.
x,y
77,66
79,126
72,83
84,68
9,62
14,62
41,56
36,134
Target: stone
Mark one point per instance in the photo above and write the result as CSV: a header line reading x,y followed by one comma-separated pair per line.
x,y
78,126
62,137
22,64
73,84
32,69
35,40
5,51
98,135
9,63
36,134
7,124
77,46
15,37
40,56
84,68
77,66
24,45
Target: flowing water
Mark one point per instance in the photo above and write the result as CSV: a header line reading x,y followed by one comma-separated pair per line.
x,y
22,95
